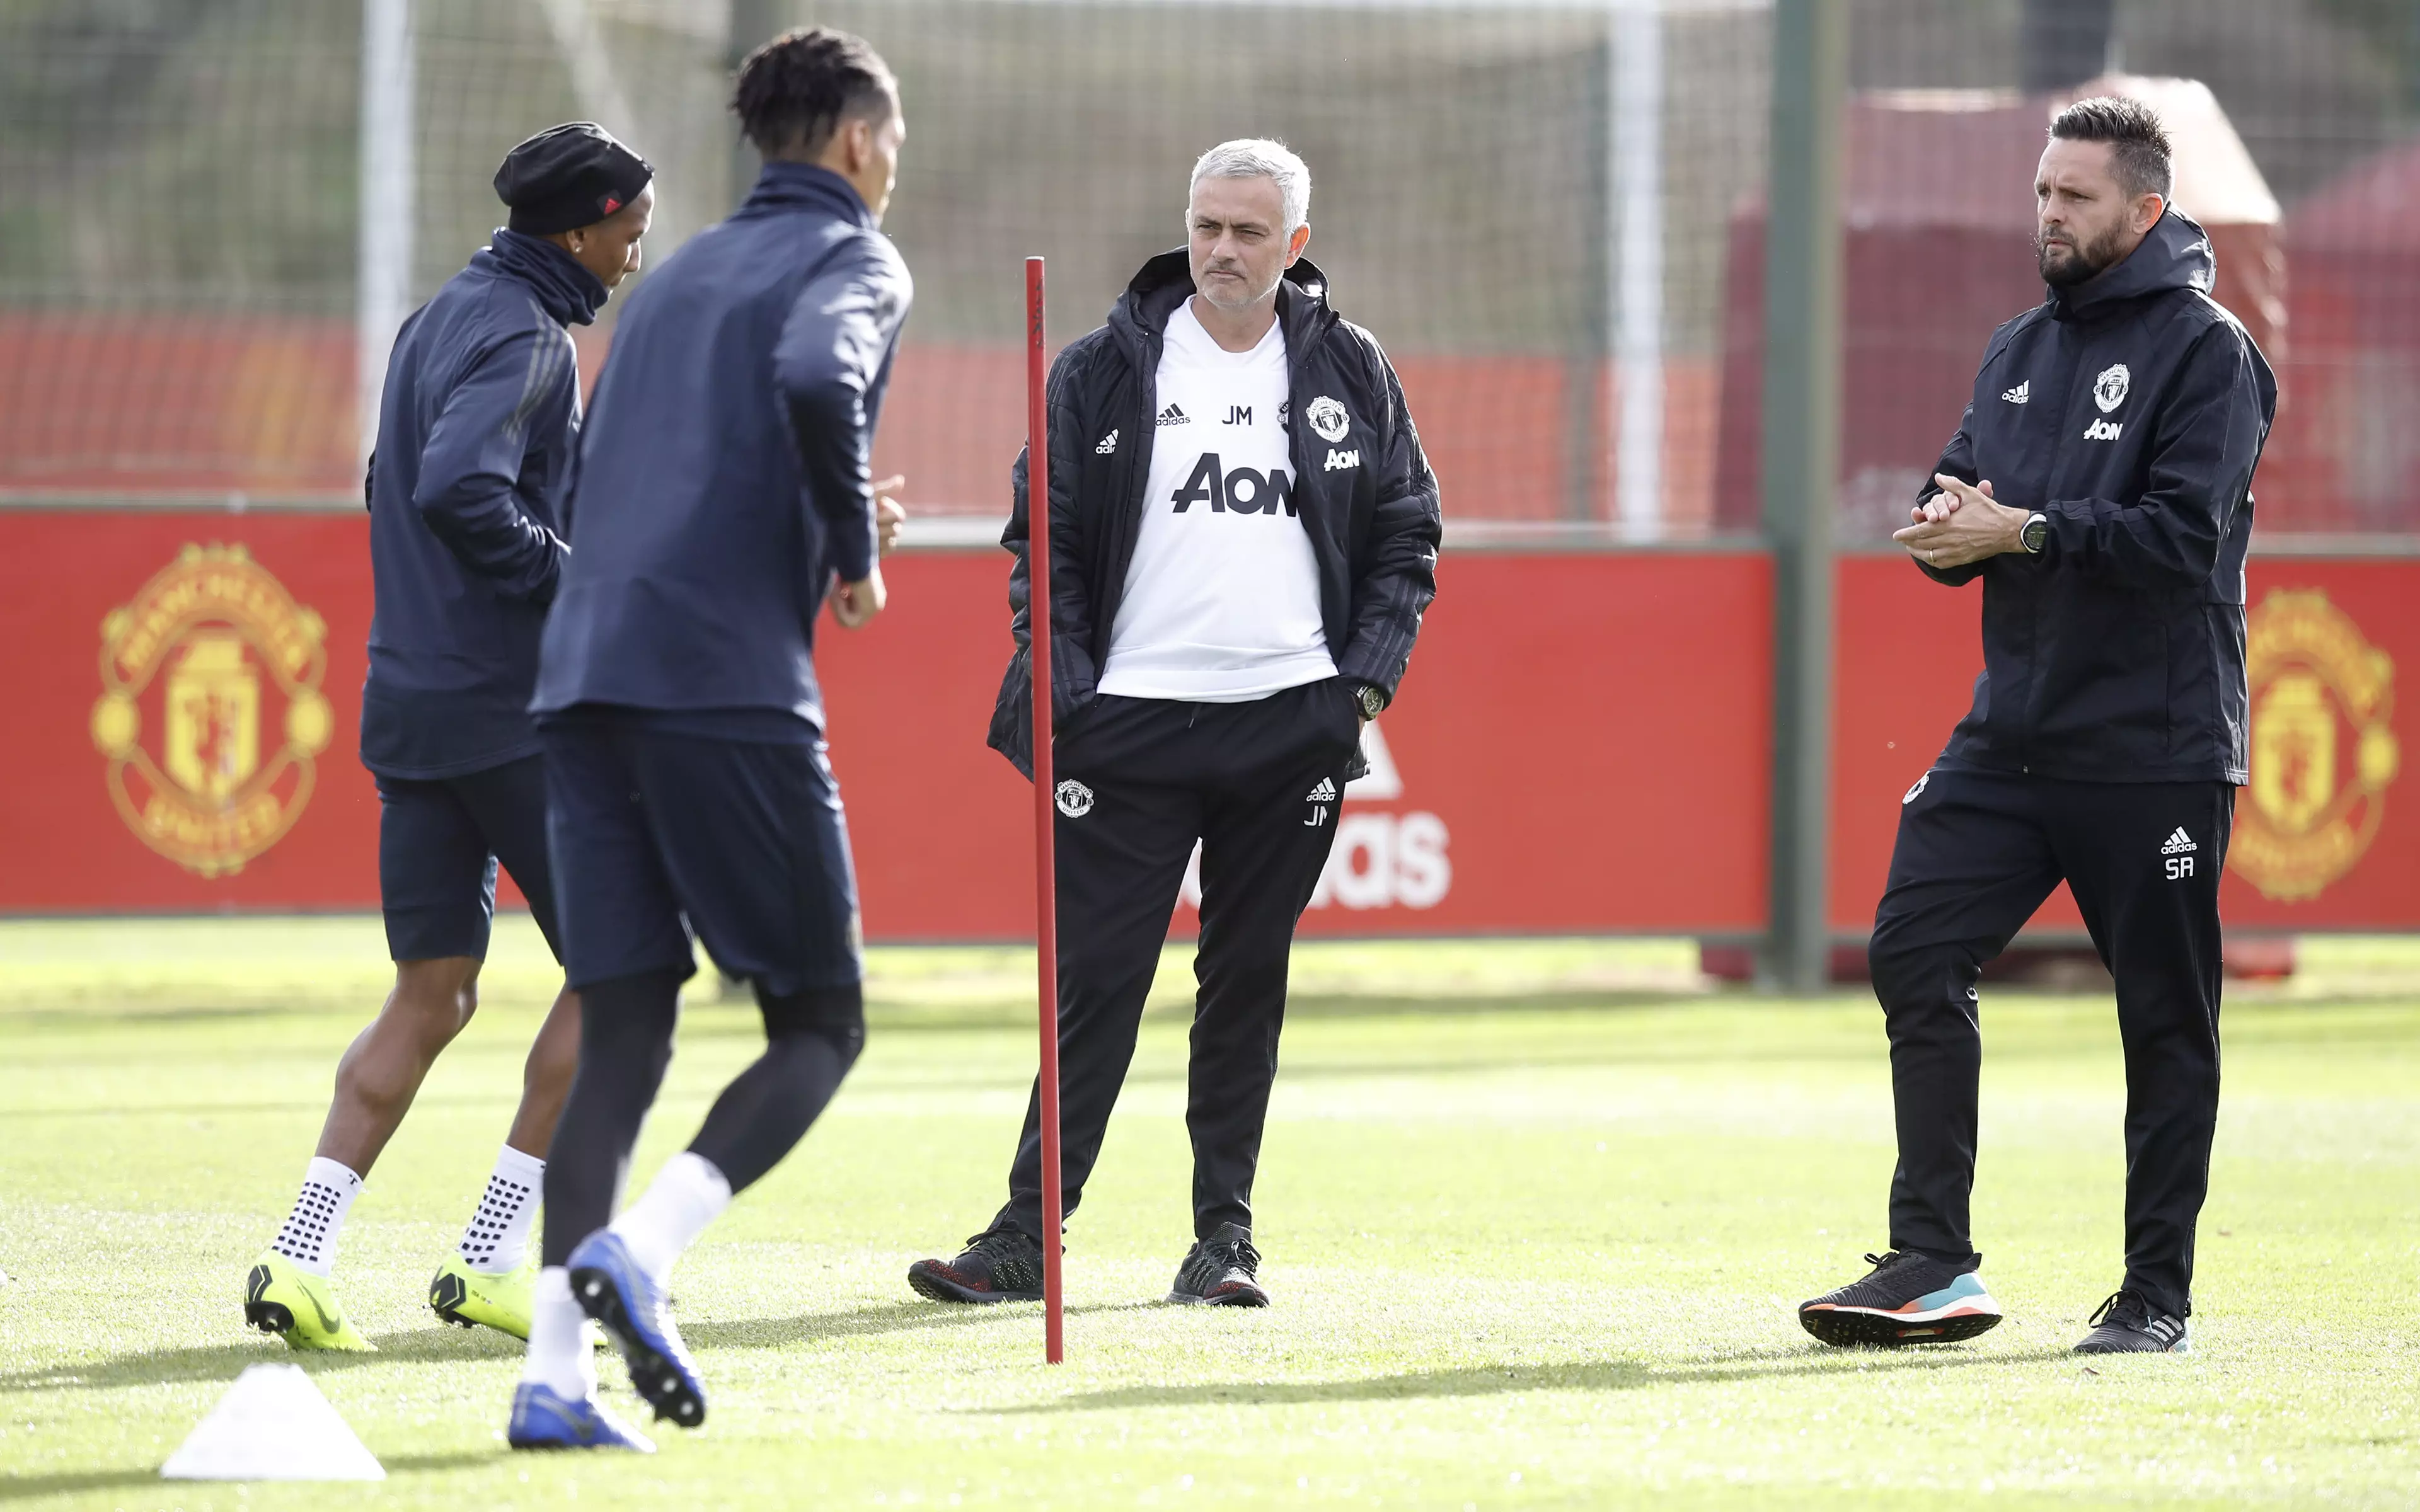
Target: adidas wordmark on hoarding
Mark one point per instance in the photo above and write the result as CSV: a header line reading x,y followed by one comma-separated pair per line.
x,y
1382,858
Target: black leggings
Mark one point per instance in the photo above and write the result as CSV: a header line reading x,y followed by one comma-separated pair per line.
x,y
626,1042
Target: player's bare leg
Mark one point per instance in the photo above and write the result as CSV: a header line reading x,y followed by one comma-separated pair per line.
x,y
488,1279
382,1071
287,1292
546,1076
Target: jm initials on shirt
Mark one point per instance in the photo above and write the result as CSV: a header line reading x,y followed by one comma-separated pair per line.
x,y
1222,595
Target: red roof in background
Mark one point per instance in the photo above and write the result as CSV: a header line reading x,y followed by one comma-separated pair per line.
x,y
1943,158
1965,158
2372,207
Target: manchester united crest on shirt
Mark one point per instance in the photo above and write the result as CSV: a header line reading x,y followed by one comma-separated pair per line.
x,y
1329,419
2109,389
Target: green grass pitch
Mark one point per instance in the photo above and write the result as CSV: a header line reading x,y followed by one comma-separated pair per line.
x,y
1535,1215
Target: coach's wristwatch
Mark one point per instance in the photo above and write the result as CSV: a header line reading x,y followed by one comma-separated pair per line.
x,y
1372,701
2036,534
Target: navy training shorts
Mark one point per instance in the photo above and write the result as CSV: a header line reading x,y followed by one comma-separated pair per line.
x,y
657,832
438,842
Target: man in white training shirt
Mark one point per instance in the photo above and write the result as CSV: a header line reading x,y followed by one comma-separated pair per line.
x,y
1243,537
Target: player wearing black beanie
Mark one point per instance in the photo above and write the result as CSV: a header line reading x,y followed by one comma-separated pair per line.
x,y
576,186
467,495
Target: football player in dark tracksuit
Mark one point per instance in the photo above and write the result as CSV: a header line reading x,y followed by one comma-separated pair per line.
x,y
477,430
2099,487
1244,535
724,491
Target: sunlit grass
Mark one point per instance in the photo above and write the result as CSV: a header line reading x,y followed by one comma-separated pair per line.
x,y
1535,1213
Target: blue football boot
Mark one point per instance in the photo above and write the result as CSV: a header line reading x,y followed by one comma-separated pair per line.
x,y
611,1287
543,1420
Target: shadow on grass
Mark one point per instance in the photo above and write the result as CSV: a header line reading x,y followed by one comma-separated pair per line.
x,y
907,1016
230,1110
891,1317
224,1362
26,1487
1544,1000
1487,1380
1309,1069
45,1016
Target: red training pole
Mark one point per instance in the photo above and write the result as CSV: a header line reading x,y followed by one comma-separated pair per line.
x,y
1046,868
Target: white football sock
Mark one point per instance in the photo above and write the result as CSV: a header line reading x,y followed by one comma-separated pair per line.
x,y
309,1237
560,1357
498,1237
685,1197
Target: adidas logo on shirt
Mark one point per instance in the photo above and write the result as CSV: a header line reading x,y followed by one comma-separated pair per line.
x,y
2021,393
2179,843
1109,445
1174,416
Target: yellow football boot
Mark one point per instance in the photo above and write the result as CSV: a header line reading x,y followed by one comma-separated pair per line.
x,y
282,1298
459,1294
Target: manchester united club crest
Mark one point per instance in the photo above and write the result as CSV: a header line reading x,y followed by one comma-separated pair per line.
x,y
211,712
2323,750
2109,389
1329,419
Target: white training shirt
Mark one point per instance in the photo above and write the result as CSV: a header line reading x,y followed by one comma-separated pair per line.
x,y
1221,600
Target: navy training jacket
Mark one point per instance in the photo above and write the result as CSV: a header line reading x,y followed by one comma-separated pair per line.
x,y
477,438
726,470
2130,411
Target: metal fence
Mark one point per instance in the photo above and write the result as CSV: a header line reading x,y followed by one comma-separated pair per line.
x,y
1550,212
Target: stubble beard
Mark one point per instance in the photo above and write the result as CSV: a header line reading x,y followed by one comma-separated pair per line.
x,y
2084,262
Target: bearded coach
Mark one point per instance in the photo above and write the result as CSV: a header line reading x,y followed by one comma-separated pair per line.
x,y
1243,537
2099,485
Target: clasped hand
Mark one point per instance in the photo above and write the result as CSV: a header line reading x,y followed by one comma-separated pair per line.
x,y
1960,524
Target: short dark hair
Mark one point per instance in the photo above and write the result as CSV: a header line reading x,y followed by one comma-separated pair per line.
x,y
793,92
2138,144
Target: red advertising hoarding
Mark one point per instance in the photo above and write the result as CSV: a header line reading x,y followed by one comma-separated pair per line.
x,y
2325,836
1581,746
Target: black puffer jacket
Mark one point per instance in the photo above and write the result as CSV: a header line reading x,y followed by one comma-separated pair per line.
x,y
2130,411
1369,502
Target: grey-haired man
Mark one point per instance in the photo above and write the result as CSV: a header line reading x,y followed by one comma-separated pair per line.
x,y
1243,537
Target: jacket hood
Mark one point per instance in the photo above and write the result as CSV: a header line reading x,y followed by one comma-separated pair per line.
x,y
2174,254
803,185
570,293
1167,281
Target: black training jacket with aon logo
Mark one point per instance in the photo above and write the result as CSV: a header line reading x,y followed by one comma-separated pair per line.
x,y
2129,409
1363,486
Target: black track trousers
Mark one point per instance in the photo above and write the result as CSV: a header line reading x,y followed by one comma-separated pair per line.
x,y
1977,852
1137,782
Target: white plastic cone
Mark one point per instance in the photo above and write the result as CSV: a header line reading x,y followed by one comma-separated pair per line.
x,y
273,1424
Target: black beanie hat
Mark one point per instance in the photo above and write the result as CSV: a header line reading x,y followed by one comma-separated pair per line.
x,y
569,176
